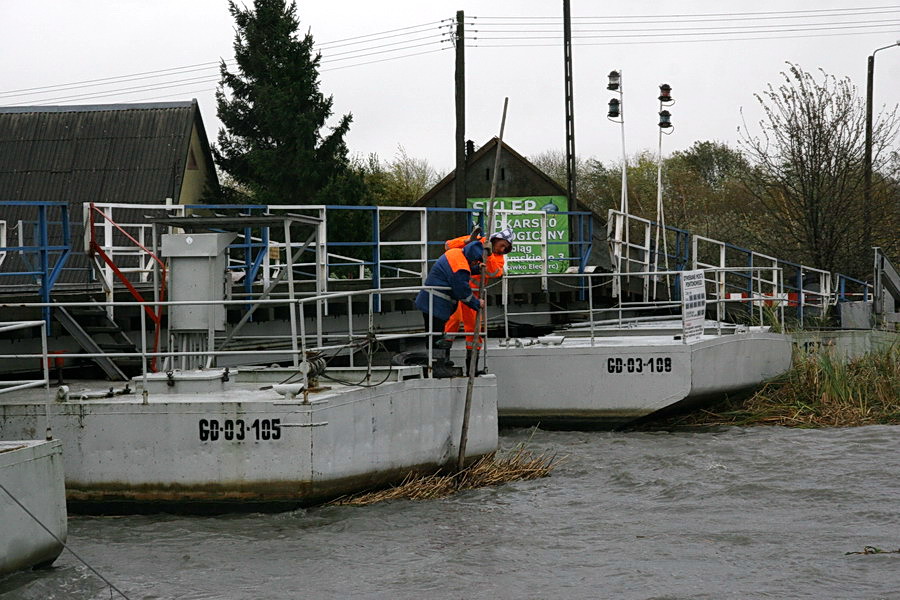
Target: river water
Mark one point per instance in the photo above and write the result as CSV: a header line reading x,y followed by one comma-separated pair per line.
x,y
730,513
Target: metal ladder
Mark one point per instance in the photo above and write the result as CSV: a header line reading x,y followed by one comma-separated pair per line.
x,y
84,335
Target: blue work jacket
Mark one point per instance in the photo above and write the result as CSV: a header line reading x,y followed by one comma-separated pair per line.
x,y
451,270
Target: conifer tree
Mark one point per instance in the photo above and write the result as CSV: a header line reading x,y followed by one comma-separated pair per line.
x,y
275,143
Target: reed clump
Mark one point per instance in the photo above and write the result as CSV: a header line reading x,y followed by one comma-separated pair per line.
x,y
820,390
491,469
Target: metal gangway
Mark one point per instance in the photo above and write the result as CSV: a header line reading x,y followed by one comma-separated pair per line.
x,y
640,246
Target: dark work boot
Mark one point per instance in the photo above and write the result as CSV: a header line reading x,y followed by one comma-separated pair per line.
x,y
441,367
442,370
468,358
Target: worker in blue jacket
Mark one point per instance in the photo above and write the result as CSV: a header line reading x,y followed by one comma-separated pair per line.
x,y
452,270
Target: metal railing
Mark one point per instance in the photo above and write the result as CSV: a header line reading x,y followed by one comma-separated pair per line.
x,y
717,295
378,259
10,385
307,333
805,289
43,260
639,245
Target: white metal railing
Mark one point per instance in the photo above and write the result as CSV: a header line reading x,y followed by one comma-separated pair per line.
x,y
634,249
10,385
811,287
758,301
307,333
541,255
638,245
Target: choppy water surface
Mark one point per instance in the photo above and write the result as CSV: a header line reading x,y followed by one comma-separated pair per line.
x,y
734,513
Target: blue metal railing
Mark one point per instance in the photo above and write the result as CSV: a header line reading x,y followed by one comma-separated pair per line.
x,y
44,259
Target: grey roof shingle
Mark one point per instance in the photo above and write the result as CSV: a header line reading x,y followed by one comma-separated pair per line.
x,y
132,153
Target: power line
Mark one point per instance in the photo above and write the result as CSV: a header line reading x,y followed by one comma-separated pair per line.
x,y
329,57
808,12
322,45
60,85
660,33
158,73
668,20
332,45
387,59
671,28
198,91
626,42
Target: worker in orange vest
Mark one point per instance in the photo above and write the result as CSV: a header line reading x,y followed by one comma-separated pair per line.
x,y
500,245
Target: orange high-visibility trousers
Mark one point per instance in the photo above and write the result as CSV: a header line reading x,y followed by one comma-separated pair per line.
x,y
464,316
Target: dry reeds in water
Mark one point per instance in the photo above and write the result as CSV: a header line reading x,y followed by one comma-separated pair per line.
x,y
491,469
820,391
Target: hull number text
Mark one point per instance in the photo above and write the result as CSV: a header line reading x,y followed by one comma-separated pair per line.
x,y
636,364
212,430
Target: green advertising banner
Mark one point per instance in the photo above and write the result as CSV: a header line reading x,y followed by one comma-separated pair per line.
x,y
529,248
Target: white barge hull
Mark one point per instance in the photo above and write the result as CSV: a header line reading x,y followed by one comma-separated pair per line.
x,y
241,448
620,380
32,471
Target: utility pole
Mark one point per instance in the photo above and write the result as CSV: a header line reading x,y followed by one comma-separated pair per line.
x,y
570,105
459,180
867,158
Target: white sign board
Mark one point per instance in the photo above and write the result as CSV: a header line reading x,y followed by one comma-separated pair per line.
x,y
693,305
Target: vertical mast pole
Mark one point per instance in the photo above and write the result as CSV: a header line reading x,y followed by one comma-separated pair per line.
x,y
479,316
459,180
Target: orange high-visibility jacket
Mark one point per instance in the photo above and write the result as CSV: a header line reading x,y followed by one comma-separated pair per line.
x,y
492,267
464,315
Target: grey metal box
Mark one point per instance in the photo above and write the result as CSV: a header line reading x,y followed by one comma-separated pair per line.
x,y
196,272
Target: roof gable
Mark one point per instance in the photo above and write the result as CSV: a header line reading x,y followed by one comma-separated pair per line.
x,y
487,152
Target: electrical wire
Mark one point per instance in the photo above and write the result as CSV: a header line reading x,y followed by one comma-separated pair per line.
x,y
330,56
55,537
363,52
331,60
386,59
368,342
807,12
680,41
334,42
667,20
632,33
718,28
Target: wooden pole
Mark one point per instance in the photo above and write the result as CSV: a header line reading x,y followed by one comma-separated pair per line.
x,y
459,181
464,433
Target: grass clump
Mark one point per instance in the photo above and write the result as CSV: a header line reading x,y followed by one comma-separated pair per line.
x,y
820,390
491,469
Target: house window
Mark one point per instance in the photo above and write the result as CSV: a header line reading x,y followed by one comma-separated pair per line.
x,y
502,178
487,177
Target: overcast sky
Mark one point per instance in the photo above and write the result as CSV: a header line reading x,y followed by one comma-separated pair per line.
x,y
715,54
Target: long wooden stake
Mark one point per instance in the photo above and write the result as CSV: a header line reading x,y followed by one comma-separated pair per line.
x,y
476,333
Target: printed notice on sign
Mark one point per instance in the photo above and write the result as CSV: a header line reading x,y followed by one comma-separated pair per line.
x,y
693,305
537,238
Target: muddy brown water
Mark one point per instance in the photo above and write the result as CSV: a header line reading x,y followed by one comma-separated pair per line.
x,y
730,513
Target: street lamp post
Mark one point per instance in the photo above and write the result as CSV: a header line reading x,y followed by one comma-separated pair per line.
x,y
616,114
867,159
617,111
665,127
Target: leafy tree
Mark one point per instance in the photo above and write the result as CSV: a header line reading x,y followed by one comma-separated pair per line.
x,y
272,143
703,190
400,182
806,180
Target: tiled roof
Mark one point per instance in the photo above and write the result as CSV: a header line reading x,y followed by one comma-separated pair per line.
x,y
131,153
